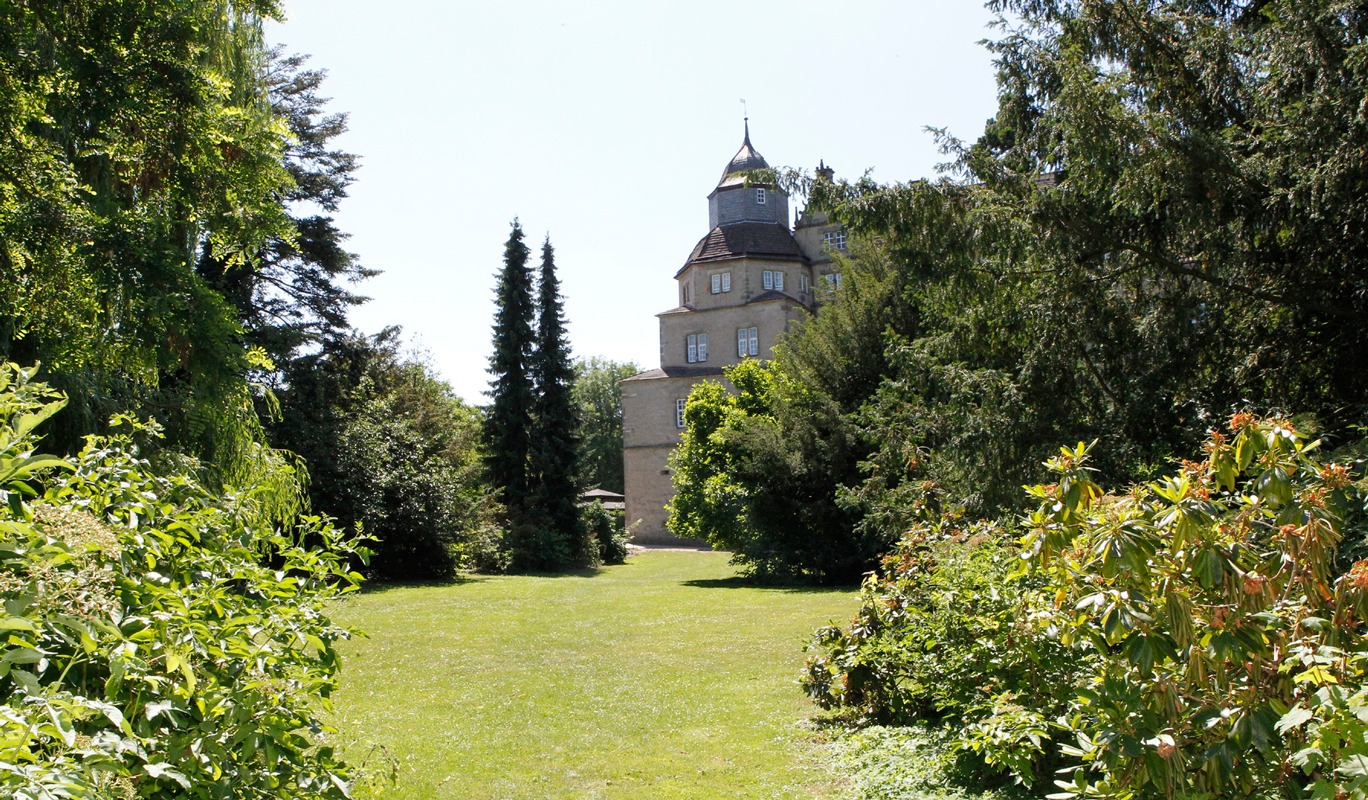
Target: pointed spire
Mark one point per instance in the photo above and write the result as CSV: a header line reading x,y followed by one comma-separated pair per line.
x,y
746,158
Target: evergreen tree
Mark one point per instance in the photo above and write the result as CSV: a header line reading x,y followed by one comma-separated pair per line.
x,y
291,298
555,433
508,426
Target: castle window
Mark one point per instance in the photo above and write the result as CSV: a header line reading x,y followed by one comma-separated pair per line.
x,y
833,279
773,280
721,282
747,342
679,414
760,197
835,239
697,347
802,283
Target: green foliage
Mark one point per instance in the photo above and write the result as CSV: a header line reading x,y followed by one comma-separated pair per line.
x,y
161,641
943,634
531,431
909,763
290,295
1190,637
1161,222
1211,598
138,139
609,532
508,424
393,451
597,394
553,463
754,474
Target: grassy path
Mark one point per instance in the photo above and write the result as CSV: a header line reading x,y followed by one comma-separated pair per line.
x,y
662,678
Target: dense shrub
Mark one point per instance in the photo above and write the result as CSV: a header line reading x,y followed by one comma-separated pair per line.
x,y
160,641
756,474
1212,649
608,532
944,633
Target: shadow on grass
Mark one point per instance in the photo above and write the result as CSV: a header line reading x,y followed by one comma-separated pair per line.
x,y
381,586
744,582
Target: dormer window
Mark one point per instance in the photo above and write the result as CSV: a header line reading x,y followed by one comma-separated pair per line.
x,y
835,239
760,197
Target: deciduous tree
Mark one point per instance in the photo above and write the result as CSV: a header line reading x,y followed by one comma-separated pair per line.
x,y
597,394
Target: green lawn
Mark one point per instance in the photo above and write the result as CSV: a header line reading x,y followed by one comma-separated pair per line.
x,y
663,678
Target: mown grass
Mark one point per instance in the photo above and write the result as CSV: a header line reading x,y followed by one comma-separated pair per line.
x,y
662,678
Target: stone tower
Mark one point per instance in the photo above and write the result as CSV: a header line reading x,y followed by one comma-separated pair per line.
x,y
740,287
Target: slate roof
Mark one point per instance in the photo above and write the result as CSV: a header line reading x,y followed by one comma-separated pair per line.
x,y
675,372
771,294
740,239
747,158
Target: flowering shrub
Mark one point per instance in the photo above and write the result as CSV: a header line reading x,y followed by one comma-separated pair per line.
x,y
1212,650
159,641
1228,648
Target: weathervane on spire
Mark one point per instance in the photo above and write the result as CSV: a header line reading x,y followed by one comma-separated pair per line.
x,y
745,116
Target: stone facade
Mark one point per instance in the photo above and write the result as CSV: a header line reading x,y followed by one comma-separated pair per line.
x,y
743,284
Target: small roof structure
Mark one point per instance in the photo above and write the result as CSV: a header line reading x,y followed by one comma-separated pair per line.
x,y
610,500
747,158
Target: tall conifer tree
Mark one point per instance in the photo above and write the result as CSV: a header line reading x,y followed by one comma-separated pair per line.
x,y
555,437
508,426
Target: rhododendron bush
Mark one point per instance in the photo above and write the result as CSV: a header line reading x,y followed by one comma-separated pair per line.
x,y
1188,637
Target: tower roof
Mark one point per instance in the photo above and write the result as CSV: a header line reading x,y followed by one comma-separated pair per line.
x,y
746,158
765,240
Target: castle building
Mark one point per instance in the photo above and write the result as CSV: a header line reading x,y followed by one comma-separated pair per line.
x,y
741,286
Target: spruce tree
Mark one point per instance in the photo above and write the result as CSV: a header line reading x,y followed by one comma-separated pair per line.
x,y
555,434
508,425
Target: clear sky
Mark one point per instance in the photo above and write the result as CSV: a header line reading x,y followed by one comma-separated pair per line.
x,y
605,124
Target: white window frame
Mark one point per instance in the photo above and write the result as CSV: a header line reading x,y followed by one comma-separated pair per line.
x,y
726,282
715,283
679,412
835,239
833,279
802,283
760,197
778,281
747,342
768,279
696,348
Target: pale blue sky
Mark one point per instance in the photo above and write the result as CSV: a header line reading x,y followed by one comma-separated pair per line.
x,y
607,124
